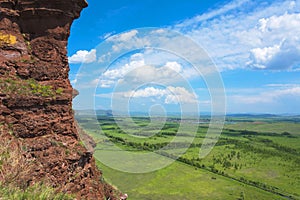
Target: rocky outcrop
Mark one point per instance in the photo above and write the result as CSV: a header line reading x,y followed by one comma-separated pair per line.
x,y
36,95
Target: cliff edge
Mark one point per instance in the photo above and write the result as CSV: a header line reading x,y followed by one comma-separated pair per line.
x,y
36,97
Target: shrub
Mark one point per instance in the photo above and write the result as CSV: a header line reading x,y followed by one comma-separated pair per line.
x,y
37,192
15,170
28,87
14,166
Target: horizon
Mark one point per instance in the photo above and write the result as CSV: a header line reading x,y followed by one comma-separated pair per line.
x,y
135,113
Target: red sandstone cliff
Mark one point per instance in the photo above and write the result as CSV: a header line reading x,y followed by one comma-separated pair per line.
x,y
36,95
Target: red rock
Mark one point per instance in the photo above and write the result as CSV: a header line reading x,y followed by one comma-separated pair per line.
x,y
36,49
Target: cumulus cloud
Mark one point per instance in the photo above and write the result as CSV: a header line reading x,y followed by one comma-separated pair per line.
x,y
247,34
278,57
286,53
259,35
180,95
137,71
171,95
147,92
174,66
261,56
83,56
112,76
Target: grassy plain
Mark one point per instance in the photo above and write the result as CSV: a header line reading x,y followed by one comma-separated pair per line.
x,y
253,158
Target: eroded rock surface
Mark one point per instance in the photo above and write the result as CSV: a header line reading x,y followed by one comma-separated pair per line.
x,y
36,95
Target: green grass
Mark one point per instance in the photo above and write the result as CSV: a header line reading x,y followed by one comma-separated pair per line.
x,y
36,192
250,161
180,181
15,170
271,127
30,87
285,141
271,170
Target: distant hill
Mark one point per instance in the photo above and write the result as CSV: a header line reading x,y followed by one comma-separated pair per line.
x,y
252,115
91,112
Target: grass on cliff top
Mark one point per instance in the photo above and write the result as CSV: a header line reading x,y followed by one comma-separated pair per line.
x,y
30,87
35,192
14,171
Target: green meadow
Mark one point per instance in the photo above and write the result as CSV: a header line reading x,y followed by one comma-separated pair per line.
x,y
254,158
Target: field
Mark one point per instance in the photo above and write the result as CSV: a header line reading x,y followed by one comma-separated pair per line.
x,y
254,158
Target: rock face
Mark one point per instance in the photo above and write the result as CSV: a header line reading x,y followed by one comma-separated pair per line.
x,y
36,95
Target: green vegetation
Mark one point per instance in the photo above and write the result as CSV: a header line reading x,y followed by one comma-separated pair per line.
x,y
244,164
270,127
181,181
30,87
27,41
36,192
14,171
30,60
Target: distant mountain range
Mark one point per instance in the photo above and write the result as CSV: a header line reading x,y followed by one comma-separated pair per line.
x,y
93,112
142,114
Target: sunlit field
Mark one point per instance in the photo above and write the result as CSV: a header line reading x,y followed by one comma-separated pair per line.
x,y
257,158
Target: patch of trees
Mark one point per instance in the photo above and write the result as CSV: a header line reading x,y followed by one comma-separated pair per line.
x,y
109,127
211,168
106,119
235,132
171,125
287,134
148,146
284,152
225,160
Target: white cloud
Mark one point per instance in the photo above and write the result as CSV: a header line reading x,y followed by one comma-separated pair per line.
x,y
261,56
106,35
170,94
124,36
174,66
158,31
83,56
83,84
74,81
147,92
282,85
269,96
137,71
228,7
241,34
180,95
127,40
112,76
105,83
94,82
284,55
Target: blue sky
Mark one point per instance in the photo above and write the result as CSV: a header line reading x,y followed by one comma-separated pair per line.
x,y
255,46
